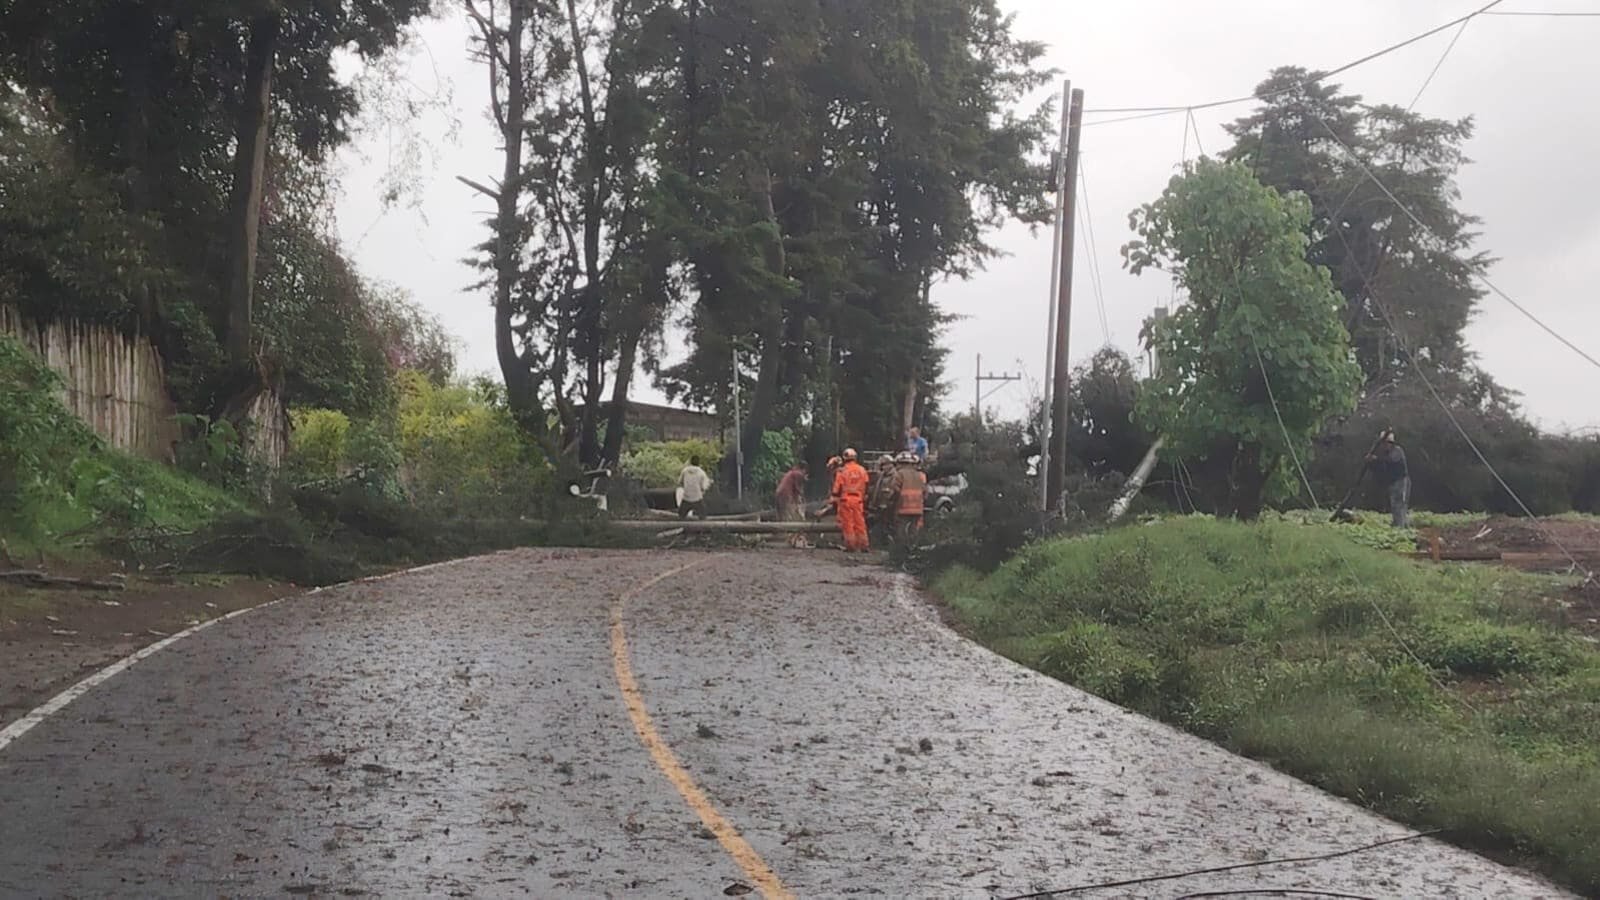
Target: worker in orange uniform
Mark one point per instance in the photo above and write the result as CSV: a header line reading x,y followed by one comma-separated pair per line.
x,y
850,502
913,485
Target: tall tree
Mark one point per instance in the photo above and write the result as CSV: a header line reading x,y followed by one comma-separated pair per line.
x,y
178,100
1312,137
581,272
865,148
1257,360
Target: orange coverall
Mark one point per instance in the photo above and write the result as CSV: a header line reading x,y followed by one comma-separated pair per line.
x,y
850,504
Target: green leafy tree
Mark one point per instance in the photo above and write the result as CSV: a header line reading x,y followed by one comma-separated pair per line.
x,y
1257,360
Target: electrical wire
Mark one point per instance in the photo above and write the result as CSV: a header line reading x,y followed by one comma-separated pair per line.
x,y
1438,65
1405,347
1086,216
1475,267
1334,216
1275,892
1545,14
1215,870
1309,81
1195,124
1276,412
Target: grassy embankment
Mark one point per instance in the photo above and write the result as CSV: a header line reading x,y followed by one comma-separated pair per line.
x,y
1444,696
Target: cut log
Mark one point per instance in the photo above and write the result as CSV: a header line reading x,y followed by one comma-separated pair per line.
x,y
703,526
740,517
38,579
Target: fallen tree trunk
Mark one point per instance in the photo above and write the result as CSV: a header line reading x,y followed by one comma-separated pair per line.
x,y
741,517
703,526
38,579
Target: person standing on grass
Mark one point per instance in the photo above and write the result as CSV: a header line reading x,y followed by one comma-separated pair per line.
x,y
694,482
792,500
1388,461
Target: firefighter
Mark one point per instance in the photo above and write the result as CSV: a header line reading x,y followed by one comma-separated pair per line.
x,y
885,490
850,502
911,497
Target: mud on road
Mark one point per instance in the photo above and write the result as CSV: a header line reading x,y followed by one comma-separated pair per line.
x,y
795,726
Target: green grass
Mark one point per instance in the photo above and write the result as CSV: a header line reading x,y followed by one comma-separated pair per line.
x,y
108,492
1442,696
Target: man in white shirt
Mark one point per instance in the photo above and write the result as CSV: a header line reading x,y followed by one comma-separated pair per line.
x,y
693,482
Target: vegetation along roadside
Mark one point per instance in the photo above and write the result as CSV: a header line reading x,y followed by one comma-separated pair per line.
x,y
1447,697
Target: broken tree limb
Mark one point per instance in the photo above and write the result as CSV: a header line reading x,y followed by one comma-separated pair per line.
x,y
39,579
703,526
483,189
1136,482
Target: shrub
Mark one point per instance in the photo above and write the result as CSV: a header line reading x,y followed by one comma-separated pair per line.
x,y
772,459
375,460
464,454
39,438
657,464
213,449
319,443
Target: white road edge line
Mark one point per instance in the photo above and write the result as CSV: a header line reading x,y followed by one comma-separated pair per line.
x,y
60,701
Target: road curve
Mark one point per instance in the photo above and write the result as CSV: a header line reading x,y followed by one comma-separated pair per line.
x,y
609,724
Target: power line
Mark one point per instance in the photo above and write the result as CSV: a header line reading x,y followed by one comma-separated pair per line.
x,y
1400,339
1334,216
1086,215
1195,125
1288,444
1438,65
1475,267
1544,14
1249,98
1215,870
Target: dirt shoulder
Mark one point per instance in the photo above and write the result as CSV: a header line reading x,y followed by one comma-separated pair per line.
x,y
51,637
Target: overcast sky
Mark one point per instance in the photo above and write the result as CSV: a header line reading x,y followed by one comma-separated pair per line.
x,y
1529,82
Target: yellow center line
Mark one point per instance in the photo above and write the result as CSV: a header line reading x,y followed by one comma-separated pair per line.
x,y
755,868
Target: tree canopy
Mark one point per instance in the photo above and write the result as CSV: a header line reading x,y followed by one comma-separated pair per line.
x,y
1257,361
784,181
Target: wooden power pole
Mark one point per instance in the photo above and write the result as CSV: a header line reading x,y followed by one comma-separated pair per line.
x,y
1056,474
1058,159
977,395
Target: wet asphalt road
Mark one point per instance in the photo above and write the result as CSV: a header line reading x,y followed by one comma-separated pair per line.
x,y
462,731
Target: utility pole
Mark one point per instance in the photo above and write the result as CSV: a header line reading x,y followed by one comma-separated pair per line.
x,y
1055,475
1055,271
977,395
738,432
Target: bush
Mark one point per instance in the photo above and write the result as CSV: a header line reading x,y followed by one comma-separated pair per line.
x,y
319,442
772,459
463,453
213,450
657,464
994,517
39,438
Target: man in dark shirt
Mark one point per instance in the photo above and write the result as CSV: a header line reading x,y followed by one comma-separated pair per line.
x,y
1388,461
